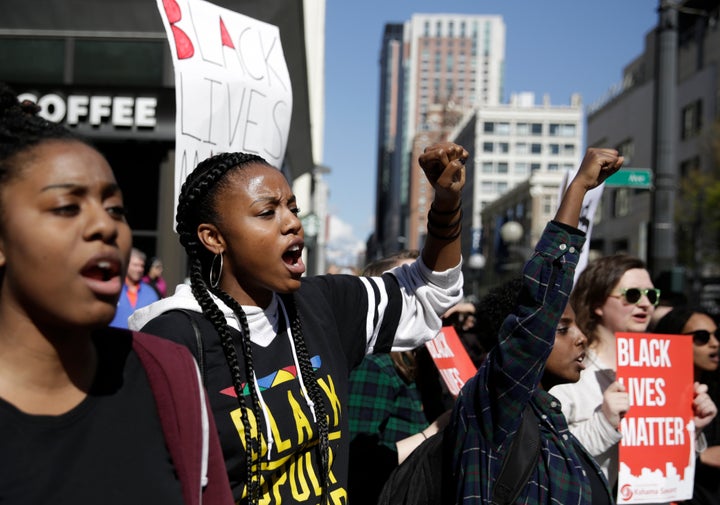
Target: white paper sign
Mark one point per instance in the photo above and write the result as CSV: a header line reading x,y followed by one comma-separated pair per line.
x,y
232,85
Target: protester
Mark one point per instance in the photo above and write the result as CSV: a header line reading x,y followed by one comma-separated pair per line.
x,y
538,347
385,409
277,347
135,292
154,277
88,414
704,330
615,294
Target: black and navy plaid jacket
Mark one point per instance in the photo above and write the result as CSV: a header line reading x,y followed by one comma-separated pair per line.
x,y
488,412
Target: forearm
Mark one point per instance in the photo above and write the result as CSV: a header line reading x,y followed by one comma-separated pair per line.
x,y
444,228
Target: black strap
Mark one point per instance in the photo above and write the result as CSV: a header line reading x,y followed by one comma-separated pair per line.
x,y
519,461
199,343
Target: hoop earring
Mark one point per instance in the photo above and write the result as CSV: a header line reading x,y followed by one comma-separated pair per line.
x,y
214,283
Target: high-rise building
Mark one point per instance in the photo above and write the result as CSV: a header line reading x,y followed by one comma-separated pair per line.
x,y
511,145
432,67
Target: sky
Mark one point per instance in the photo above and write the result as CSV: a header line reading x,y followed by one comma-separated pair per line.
x,y
555,47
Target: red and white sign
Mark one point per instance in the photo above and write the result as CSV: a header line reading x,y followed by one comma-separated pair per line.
x,y
657,451
232,84
451,359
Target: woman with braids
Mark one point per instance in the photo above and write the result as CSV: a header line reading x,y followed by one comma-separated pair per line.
x,y
89,414
276,348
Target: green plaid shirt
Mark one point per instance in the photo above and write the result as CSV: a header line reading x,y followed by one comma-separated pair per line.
x,y
488,411
382,403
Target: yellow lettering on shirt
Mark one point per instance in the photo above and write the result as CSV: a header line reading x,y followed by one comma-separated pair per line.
x,y
304,428
329,388
280,444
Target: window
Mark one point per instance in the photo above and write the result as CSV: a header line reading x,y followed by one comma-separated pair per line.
x,y
502,128
488,127
503,147
487,187
521,148
488,147
536,129
569,149
27,60
553,167
626,148
621,202
562,130
536,148
502,167
534,167
554,149
118,62
549,204
522,129
521,168
502,187
691,119
487,167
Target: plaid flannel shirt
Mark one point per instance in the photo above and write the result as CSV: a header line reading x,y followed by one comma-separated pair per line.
x,y
488,411
382,403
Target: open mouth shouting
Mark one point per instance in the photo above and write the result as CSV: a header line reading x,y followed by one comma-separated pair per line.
x,y
102,275
292,258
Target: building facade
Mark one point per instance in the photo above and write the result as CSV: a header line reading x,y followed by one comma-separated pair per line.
x,y
628,120
431,67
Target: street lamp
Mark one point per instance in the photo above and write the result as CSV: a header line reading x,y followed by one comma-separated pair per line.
x,y
476,262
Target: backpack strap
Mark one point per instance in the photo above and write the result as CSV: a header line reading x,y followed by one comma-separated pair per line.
x,y
198,343
519,461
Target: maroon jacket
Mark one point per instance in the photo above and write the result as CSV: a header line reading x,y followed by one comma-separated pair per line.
x,y
188,424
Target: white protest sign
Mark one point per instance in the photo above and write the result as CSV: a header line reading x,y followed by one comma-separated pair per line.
x,y
232,85
585,223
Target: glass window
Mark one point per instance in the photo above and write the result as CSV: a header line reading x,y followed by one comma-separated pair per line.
x,y
536,148
553,167
569,149
521,168
502,167
523,129
487,187
554,149
502,187
502,128
536,128
504,147
488,147
118,62
487,167
521,148
621,202
691,119
534,166
26,60
488,127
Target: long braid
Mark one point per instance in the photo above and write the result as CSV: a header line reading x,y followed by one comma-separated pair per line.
x,y
315,392
195,206
249,371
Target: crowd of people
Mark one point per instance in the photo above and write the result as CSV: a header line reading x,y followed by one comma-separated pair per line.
x,y
254,383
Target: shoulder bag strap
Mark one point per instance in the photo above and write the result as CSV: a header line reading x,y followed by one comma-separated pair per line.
x,y
519,461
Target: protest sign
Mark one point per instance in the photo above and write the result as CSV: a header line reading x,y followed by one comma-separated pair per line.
x,y
451,359
232,84
657,451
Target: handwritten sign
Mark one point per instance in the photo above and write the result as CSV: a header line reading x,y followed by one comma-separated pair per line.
x,y
451,359
657,451
232,85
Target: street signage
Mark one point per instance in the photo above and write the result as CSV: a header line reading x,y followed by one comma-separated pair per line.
x,y
639,178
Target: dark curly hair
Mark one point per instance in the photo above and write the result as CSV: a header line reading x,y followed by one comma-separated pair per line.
x,y
22,128
197,205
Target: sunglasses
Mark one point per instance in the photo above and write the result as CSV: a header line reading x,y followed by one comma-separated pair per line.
x,y
702,337
633,295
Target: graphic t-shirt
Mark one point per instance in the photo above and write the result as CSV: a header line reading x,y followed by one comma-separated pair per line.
x,y
336,330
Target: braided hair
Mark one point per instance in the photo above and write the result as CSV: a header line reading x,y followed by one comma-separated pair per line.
x,y
22,128
196,205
